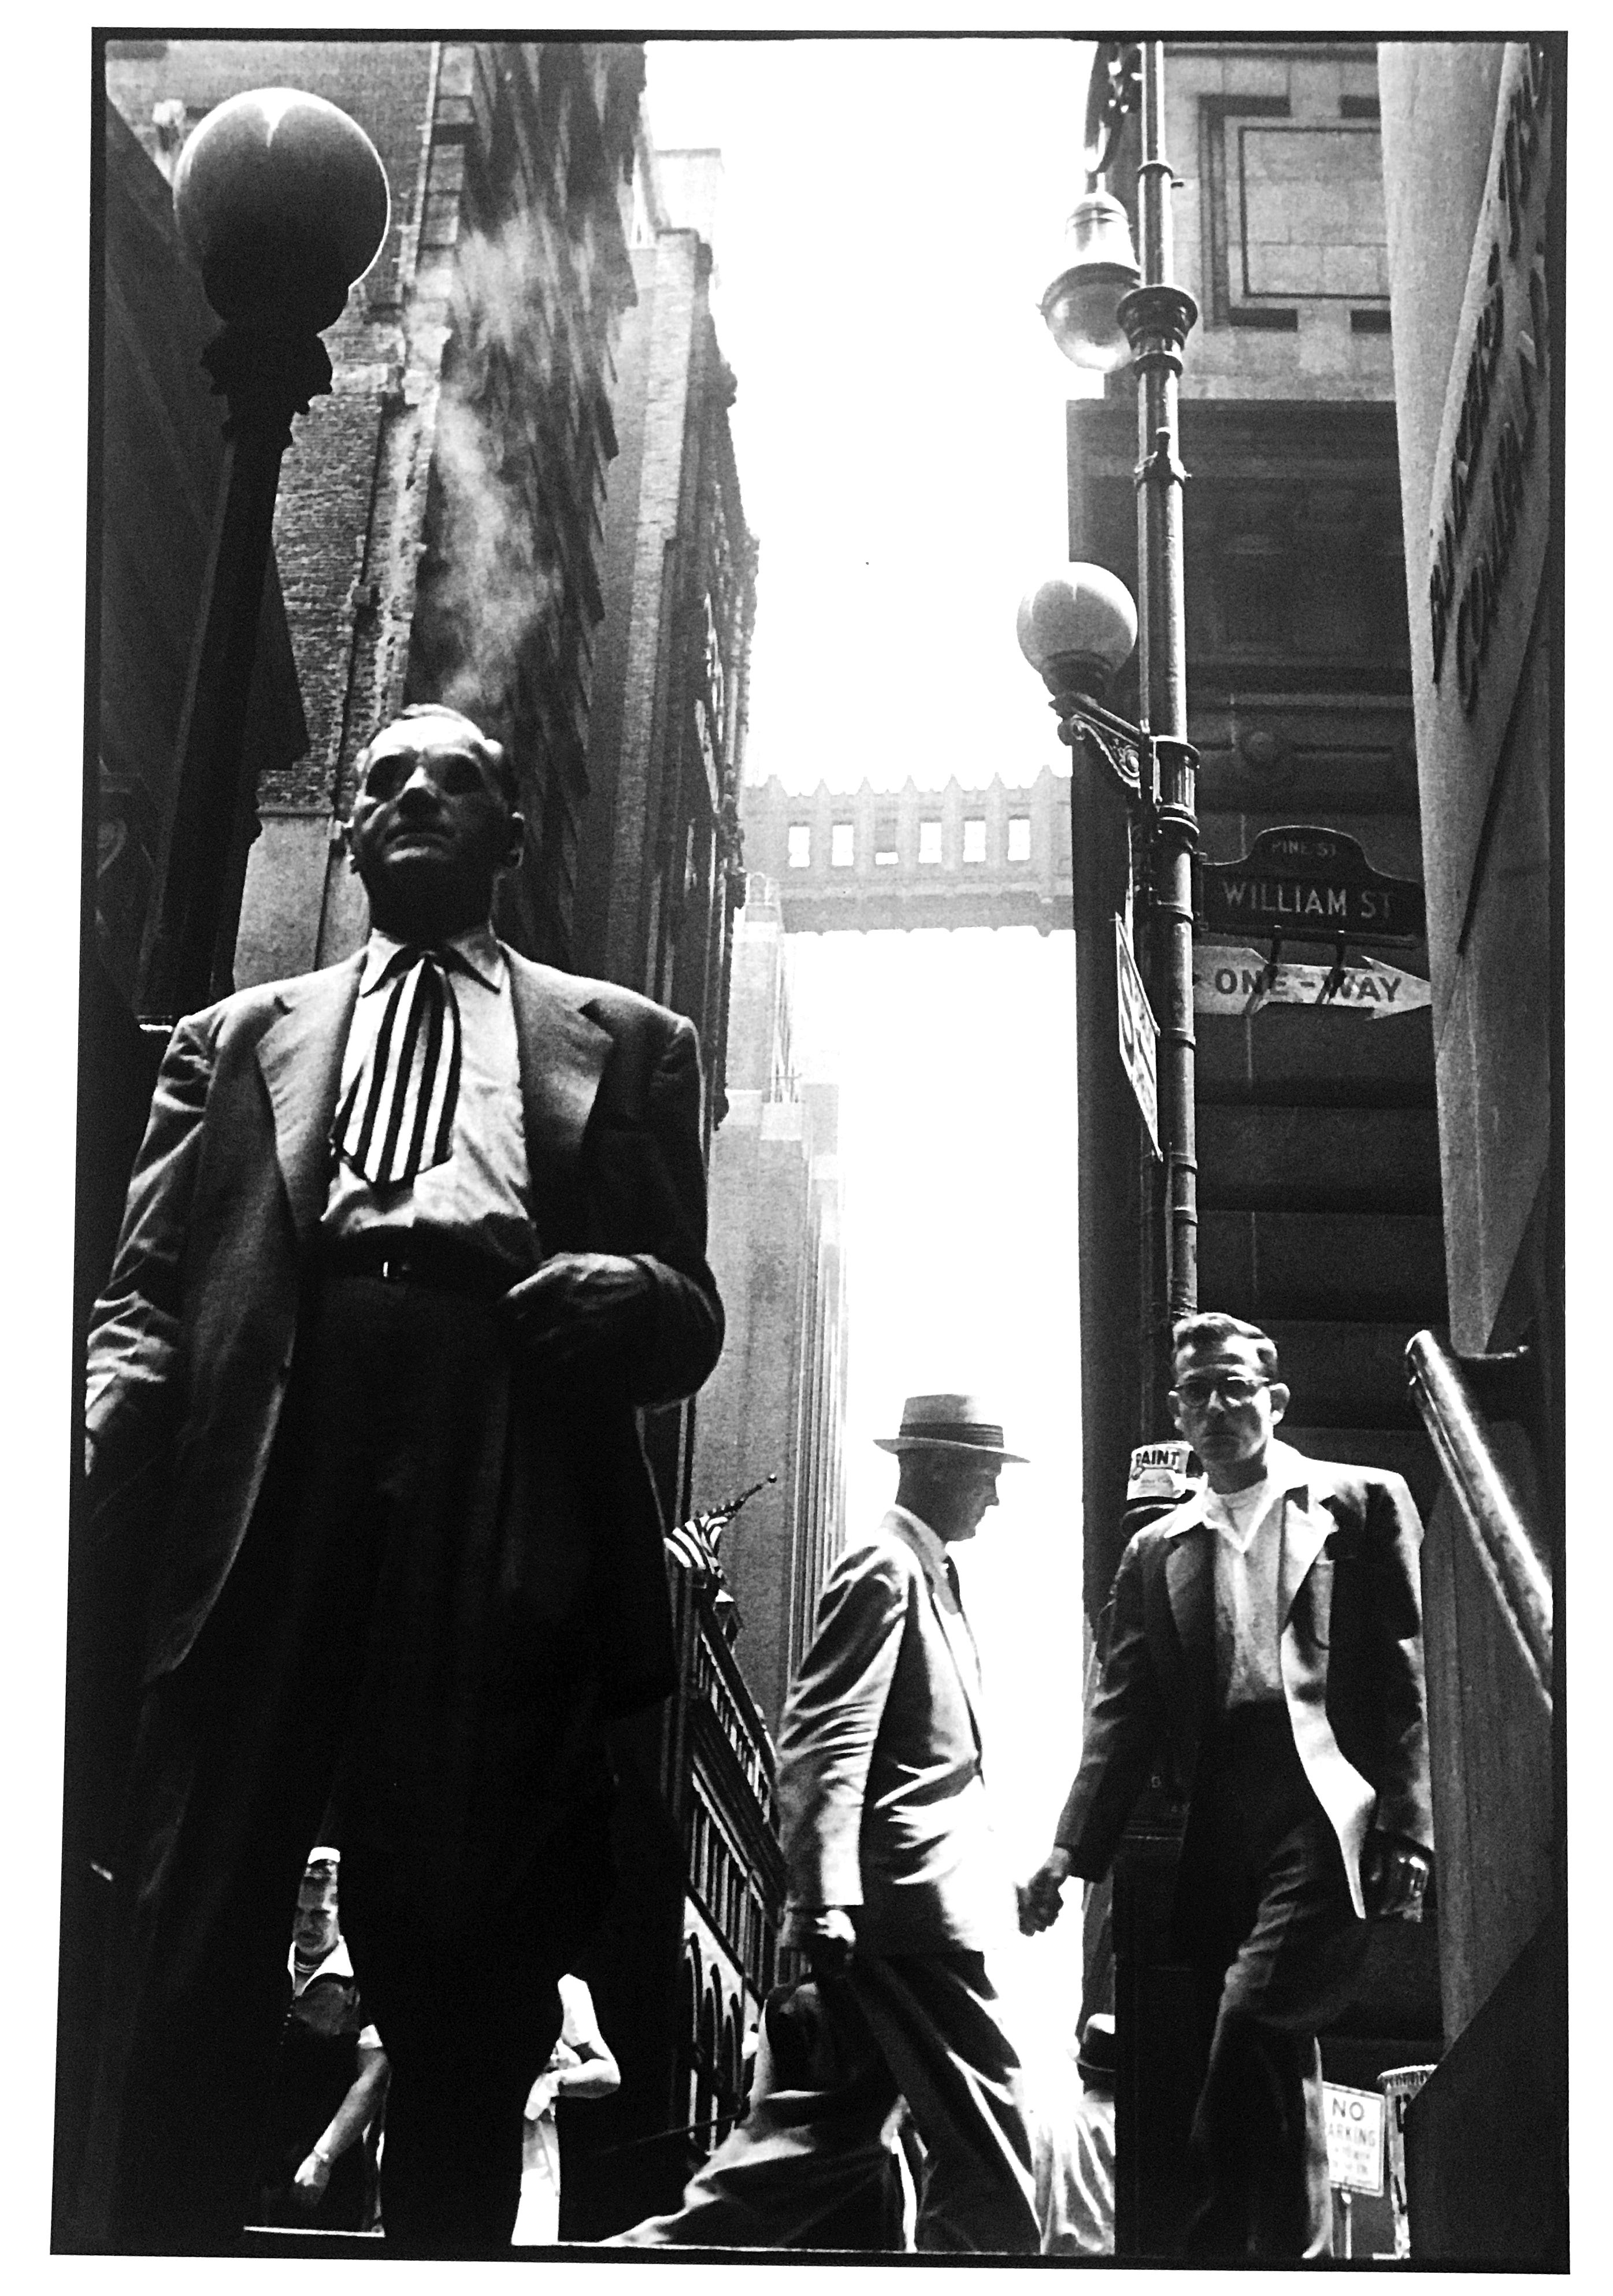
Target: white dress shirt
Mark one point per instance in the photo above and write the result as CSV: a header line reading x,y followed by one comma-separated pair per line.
x,y
480,1196
1248,1562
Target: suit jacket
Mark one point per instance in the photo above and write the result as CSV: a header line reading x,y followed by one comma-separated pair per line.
x,y
191,1343
882,1801
1350,1651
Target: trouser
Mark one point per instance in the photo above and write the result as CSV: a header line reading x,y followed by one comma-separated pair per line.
x,y
1278,1949
919,2026
366,1667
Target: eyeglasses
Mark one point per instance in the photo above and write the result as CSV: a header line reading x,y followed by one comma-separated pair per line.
x,y
1197,1386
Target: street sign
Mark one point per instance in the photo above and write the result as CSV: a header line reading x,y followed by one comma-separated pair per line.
x,y
1139,1032
1310,884
1235,983
1353,2118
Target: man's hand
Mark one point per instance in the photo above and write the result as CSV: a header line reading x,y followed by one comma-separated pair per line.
x,y
1394,1876
580,1305
311,2178
1039,1897
828,1937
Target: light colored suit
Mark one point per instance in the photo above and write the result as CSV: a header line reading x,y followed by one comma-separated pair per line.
x,y
883,1807
880,1782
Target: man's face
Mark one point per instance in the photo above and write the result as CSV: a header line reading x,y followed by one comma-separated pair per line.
x,y
962,1491
431,828
1224,1404
315,1929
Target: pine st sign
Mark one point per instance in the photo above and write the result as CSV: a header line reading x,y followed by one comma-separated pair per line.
x,y
1309,884
1354,2120
1139,1032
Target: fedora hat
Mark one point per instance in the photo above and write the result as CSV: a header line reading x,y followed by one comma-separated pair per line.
x,y
949,1423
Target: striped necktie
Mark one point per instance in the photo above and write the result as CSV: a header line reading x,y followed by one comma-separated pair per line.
x,y
398,1118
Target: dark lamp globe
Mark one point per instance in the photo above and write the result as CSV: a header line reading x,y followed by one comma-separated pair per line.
x,y
1077,629
281,204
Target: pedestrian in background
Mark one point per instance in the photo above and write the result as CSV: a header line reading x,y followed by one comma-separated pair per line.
x,y
1267,1636
894,1892
317,2165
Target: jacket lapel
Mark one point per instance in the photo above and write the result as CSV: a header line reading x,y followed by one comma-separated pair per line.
x,y
955,1630
299,1055
1304,1533
1190,1587
562,1058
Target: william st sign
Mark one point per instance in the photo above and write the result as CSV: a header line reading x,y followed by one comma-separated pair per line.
x,y
1309,884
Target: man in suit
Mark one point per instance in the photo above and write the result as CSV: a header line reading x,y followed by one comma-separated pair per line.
x,y
1267,1634
893,1892
407,1243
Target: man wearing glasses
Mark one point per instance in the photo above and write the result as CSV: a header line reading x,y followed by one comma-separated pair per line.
x,y
1267,1633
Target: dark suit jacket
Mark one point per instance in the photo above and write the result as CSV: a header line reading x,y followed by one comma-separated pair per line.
x,y
192,1342
1351,1655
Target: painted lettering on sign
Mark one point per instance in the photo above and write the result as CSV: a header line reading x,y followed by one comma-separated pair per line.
x,y
1139,1032
1354,2121
1502,393
1236,983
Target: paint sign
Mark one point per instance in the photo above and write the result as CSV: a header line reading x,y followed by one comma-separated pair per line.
x,y
1355,2137
1139,1032
1235,983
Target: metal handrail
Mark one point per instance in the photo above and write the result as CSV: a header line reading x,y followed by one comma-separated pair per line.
x,y
1489,1504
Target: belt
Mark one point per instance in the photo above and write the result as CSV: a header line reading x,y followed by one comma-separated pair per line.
x,y
427,1257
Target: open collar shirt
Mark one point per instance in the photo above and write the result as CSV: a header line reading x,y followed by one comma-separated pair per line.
x,y
1248,1528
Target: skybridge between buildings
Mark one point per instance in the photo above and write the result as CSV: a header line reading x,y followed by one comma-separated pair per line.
x,y
900,860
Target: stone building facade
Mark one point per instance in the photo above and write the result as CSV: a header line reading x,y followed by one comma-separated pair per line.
x,y
1475,197
1319,1169
776,1403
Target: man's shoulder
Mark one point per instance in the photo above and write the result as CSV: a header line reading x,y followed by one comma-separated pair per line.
x,y
608,1002
880,1554
1352,1483
263,1000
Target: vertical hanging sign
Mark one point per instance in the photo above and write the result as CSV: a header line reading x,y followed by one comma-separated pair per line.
x,y
1139,1033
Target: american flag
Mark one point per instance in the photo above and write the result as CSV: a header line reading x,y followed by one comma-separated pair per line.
x,y
692,1545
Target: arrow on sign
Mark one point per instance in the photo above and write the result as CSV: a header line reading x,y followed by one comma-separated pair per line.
x,y
1236,982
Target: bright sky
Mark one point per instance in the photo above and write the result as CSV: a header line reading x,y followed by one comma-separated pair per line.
x,y
890,213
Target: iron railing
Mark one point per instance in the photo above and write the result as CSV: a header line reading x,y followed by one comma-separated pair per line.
x,y
1485,1497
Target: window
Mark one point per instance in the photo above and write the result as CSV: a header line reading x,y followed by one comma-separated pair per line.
x,y
930,843
800,844
1018,837
974,838
842,844
887,841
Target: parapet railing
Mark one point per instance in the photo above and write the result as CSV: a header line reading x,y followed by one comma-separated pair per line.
x,y
1487,1503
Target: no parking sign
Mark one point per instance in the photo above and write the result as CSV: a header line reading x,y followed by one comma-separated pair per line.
x,y
1355,2137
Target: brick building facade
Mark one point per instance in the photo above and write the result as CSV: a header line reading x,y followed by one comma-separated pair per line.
x,y
519,496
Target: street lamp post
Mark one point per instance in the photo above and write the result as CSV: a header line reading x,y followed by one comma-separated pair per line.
x,y
1103,310
280,201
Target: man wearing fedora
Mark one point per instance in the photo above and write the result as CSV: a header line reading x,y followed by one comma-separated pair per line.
x,y
893,1891
1266,1634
